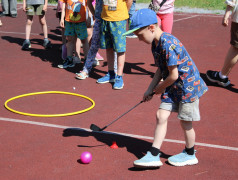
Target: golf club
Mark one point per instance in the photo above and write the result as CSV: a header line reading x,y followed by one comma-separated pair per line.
x,y
94,127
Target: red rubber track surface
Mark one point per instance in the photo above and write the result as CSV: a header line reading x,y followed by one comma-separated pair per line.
x,y
49,149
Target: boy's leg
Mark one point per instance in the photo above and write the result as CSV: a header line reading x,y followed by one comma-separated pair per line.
x,y
26,44
47,43
230,61
152,158
187,113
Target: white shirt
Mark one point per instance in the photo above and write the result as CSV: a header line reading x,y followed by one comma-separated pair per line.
x,y
234,4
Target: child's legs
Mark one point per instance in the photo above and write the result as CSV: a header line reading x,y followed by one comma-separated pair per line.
x,y
119,44
230,61
110,59
95,43
29,22
166,22
82,34
70,45
161,127
77,46
189,133
44,25
121,56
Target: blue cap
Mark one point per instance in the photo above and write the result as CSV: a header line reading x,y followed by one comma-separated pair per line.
x,y
141,18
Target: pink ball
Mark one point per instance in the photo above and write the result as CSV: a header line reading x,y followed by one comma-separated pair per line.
x,y
86,157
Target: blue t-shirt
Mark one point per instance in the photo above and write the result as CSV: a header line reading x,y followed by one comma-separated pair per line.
x,y
189,86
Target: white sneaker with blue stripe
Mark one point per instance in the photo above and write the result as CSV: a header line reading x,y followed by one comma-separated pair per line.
x,y
148,161
183,159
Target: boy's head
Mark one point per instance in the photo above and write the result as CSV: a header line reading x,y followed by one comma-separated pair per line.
x,y
143,23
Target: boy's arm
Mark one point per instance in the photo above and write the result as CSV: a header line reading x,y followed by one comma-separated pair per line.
x,y
225,20
128,4
90,6
172,77
156,79
62,16
45,5
24,5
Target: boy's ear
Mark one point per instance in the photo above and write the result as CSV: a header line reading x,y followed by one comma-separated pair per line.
x,y
152,27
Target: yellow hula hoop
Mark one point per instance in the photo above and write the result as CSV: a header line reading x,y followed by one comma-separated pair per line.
x,y
49,115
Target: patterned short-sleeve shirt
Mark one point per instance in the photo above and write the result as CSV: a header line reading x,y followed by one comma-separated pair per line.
x,y
189,86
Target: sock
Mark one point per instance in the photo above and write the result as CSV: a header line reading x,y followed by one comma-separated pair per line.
x,y
111,72
154,151
46,39
222,76
190,151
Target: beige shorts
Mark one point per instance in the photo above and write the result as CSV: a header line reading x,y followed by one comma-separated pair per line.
x,y
186,111
35,10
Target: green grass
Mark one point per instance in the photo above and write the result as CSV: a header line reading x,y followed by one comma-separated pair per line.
x,y
205,4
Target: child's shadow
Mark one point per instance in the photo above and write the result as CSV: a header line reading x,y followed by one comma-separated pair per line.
x,y
209,83
135,146
51,55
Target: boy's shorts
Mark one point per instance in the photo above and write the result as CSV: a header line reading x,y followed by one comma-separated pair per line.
x,y
186,111
35,10
79,29
234,34
111,35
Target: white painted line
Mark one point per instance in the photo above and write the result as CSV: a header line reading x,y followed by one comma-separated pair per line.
x,y
186,18
116,133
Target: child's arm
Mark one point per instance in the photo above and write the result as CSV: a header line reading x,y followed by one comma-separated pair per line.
x,y
90,6
45,5
156,79
172,77
225,20
24,5
62,16
128,4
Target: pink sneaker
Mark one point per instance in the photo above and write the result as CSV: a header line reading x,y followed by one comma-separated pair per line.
x,y
99,57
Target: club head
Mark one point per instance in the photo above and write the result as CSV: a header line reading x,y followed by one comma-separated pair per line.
x,y
94,127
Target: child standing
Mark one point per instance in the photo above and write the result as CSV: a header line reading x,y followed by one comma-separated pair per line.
x,y
180,91
73,19
165,14
95,42
221,77
58,15
39,8
114,17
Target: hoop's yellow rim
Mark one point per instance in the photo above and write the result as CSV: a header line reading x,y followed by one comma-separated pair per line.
x,y
49,115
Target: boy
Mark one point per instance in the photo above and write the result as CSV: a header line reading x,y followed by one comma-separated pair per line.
x,y
73,19
35,7
114,16
221,77
181,89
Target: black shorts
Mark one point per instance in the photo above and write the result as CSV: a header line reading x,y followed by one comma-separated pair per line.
x,y
234,34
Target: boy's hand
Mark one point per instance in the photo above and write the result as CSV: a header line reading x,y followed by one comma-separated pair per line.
x,y
148,95
62,24
45,8
24,7
225,20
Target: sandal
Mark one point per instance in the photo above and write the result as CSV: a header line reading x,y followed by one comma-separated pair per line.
x,y
81,76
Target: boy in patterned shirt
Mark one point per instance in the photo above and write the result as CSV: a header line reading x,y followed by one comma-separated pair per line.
x,y
180,91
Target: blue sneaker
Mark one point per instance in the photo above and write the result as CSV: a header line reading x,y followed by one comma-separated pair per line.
x,y
107,78
148,161
118,83
183,159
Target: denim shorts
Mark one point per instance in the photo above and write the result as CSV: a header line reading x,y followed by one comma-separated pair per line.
x,y
79,29
111,35
186,111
